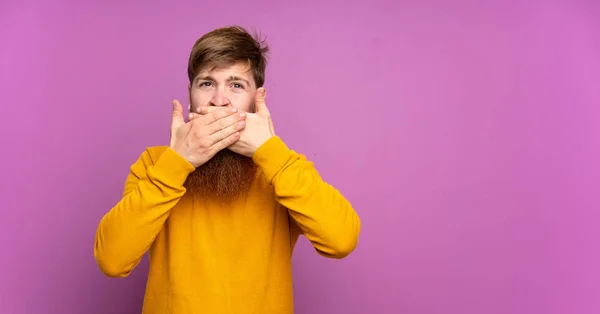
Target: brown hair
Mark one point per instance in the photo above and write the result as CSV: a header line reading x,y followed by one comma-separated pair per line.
x,y
227,45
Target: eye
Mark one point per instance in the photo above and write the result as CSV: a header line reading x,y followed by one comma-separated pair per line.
x,y
205,84
236,85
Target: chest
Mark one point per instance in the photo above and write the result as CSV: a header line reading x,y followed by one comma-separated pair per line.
x,y
254,221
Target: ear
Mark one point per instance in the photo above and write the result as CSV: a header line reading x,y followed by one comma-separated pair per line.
x,y
189,97
260,106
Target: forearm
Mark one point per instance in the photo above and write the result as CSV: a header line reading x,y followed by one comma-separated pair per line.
x,y
128,230
320,211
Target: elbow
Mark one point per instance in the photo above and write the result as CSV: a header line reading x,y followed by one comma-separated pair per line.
x,y
112,269
349,241
109,264
346,240
342,246
338,250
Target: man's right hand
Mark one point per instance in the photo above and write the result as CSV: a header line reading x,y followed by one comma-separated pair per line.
x,y
200,139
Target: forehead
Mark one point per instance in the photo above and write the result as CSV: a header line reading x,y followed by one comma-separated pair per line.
x,y
239,69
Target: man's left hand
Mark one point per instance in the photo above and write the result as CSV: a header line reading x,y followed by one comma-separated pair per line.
x,y
259,126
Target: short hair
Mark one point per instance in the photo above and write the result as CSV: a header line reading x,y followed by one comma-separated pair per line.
x,y
228,45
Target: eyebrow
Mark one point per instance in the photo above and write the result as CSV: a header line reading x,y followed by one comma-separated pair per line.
x,y
230,79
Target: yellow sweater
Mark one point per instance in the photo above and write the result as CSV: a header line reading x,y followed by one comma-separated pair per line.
x,y
207,259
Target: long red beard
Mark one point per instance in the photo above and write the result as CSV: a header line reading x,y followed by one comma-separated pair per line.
x,y
223,178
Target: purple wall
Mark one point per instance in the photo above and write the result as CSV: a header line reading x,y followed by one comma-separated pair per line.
x,y
467,135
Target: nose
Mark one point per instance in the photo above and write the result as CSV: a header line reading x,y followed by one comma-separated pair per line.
x,y
220,101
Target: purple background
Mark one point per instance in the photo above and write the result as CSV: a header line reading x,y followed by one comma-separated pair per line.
x,y
466,134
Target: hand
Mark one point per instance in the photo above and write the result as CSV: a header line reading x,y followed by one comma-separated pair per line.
x,y
201,138
259,126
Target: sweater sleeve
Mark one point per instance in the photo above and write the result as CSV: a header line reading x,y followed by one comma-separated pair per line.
x,y
321,212
154,185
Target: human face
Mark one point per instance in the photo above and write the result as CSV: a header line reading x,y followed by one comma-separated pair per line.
x,y
224,86
226,175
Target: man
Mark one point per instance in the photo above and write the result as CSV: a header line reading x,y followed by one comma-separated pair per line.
x,y
221,208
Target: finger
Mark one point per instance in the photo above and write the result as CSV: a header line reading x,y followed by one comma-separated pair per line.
x,y
214,116
208,109
193,115
202,111
260,106
227,132
177,115
226,142
216,112
226,122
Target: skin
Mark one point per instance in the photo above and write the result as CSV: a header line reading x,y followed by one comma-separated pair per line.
x,y
228,111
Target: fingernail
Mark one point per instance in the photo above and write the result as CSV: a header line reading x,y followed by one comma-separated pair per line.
x,y
234,109
242,114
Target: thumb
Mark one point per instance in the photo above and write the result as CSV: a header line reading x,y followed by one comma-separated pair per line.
x,y
259,101
177,115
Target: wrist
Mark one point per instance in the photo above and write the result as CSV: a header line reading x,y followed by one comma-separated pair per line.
x,y
172,164
181,155
272,156
260,144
